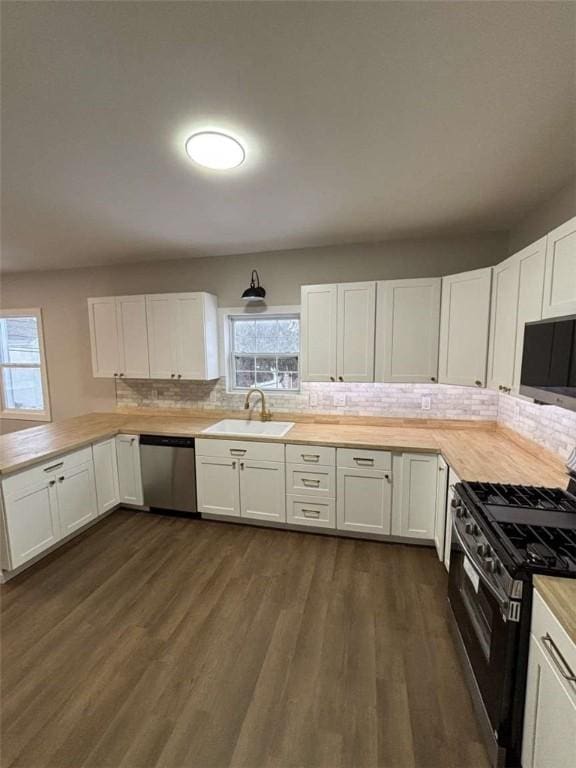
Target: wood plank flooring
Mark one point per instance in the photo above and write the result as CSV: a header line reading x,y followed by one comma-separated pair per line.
x,y
158,641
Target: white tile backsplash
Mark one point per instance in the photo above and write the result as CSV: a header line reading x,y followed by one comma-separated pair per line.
x,y
554,428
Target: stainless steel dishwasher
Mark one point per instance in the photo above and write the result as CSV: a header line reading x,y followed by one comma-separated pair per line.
x,y
168,473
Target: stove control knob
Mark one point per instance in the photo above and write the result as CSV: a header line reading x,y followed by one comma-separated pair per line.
x,y
492,566
460,512
475,530
469,528
483,550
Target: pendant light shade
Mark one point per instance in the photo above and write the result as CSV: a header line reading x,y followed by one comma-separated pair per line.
x,y
255,292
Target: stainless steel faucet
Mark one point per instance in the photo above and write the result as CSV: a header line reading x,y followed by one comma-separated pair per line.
x,y
264,414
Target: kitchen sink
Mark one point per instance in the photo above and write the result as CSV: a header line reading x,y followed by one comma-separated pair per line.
x,y
238,428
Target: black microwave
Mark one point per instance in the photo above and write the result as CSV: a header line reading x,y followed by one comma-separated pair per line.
x,y
549,361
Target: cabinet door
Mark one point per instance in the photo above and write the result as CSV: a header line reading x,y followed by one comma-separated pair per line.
x,y
263,490
531,267
464,321
356,326
190,350
129,472
76,497
503,324
441,499
364,500
550,715
452,480
104,338
415,496
133,332
32,523
318,332
218,485
408,329
161,342
106,475
560,277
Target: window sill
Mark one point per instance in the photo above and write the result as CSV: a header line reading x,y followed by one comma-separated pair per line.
x,y
25,416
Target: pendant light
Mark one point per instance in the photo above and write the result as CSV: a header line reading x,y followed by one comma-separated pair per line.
x,y
255,292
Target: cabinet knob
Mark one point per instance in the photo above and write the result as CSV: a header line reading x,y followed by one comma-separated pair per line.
x,y
241,465
61,479
478,383
121,374
179,375
172,375
340,378
115,374
432,378
52,482
332,378
387,477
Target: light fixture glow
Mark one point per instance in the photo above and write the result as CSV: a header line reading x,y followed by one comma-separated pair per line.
x,y
215,150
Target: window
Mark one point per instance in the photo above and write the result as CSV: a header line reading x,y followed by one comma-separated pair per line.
x,y
264,352
23,382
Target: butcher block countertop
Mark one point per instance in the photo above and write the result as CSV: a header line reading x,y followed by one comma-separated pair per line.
x,y
475,450
560,596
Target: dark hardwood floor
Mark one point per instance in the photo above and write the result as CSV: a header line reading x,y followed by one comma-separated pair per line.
x,y
158,641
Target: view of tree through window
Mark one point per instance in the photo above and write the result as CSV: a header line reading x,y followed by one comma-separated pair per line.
x,y
265,352
21,364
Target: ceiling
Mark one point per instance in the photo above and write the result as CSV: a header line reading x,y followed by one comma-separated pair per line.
x,y
361,121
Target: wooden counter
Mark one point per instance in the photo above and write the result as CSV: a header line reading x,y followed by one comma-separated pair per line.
x,y
560,596
475,451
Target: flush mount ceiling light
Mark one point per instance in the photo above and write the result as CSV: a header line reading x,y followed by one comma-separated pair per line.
x,y
215,150
255,292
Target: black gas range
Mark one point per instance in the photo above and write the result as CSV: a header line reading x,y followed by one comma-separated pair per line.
x,y
501,536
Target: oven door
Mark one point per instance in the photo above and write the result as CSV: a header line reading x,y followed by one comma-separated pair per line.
x,y
489,639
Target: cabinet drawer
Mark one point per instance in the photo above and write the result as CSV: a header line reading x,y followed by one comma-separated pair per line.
x,y
240,449
301,510
303,479
311,454
362,459
58,465
546,625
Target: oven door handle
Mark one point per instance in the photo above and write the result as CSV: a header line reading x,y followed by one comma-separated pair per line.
x,y
501,597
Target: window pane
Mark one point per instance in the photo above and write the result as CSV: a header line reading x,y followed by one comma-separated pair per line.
x,y
288,336
23,389
266,336
243,336
266,379
245,379
265,363
288,364
19,341
244,363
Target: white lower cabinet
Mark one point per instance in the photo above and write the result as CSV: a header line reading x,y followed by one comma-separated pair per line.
x,y
218,485
452,480
364,495
237,479
106,475
304,510
76,490
46,503
32,524
415,490
550,713
262,490
441,498
129,472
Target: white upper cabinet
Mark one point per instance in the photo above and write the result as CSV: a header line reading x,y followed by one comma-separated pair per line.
x,y
318,331
337,332
118,337
560,277
531,266
407,330
183,336
503,324
104,337
464,324
356,321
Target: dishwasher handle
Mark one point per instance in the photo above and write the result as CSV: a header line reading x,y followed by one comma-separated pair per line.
x,y
167,441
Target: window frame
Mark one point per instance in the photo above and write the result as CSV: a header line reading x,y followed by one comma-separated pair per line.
x,y
227,348
27,415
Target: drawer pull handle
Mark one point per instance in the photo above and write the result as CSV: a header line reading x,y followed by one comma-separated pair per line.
x,y
311,457
54,466
310,483
364,460
311,512
559,660
237,451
